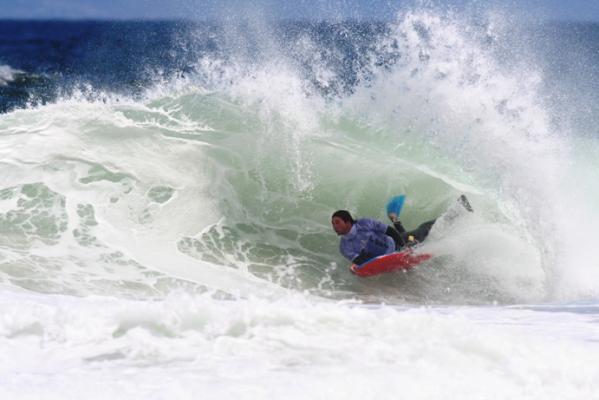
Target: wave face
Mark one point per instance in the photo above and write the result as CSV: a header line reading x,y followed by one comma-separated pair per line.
x,y
210,158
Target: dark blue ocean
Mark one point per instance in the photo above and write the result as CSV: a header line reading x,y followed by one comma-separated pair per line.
x,y
49,58
42,60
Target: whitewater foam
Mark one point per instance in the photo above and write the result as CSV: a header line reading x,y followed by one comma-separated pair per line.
x,y
256,348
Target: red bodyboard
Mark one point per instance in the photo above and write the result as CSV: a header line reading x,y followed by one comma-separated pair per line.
x,y
402,260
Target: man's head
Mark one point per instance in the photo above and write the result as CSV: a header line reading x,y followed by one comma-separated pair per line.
x,y
342,222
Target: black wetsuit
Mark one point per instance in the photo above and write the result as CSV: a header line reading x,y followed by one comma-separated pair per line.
x,y
418,234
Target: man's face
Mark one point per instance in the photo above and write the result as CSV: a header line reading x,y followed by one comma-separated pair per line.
x,y
340,226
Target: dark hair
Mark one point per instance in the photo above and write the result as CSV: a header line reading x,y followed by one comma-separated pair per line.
x,y
344,215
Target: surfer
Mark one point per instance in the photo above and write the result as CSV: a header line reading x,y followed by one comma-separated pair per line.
x,y
365,238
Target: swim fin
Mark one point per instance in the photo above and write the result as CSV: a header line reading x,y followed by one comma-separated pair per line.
x,y
395,205
464,202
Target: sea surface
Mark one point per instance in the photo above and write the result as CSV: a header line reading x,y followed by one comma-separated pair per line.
x,y
166,190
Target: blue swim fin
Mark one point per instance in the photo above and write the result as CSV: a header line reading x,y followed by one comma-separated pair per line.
x,y
395,205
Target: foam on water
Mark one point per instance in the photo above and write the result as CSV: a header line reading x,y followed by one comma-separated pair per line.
x,y
291,347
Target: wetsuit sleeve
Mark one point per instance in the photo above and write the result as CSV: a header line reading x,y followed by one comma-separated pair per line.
x,y
362,258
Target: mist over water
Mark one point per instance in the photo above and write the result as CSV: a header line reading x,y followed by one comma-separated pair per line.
x,y
166,191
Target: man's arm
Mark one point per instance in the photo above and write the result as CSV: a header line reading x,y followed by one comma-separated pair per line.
x,y
362,258
350,251
347,250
